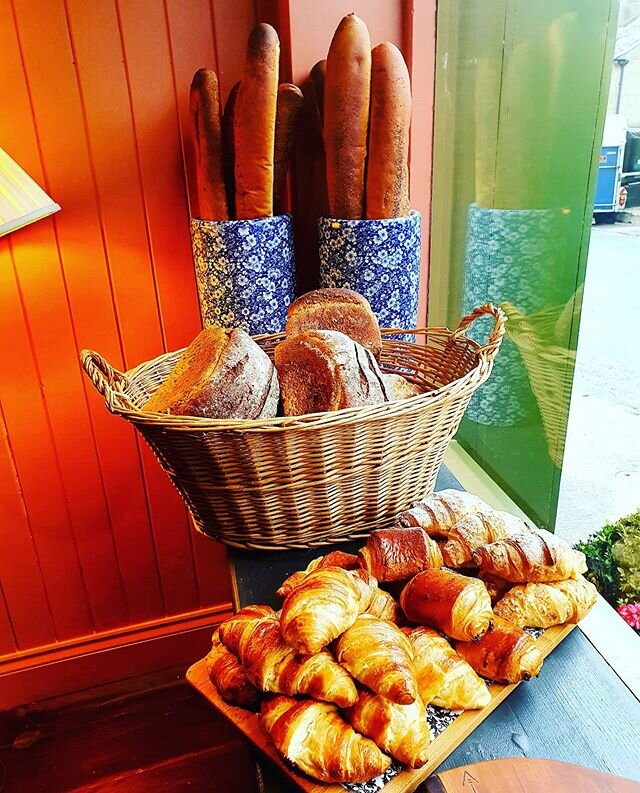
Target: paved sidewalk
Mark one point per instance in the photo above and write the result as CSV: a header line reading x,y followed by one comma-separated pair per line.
x,y
601,470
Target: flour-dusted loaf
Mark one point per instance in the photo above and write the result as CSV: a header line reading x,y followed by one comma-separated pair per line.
x,y
336,309
323,370
387,193
222,374
346,117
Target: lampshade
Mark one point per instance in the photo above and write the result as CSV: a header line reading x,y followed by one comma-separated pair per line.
x,y
21,200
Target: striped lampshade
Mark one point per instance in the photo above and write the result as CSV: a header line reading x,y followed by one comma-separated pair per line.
x,y
21,200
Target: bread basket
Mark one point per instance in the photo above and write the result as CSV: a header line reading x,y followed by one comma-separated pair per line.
x,y
322,478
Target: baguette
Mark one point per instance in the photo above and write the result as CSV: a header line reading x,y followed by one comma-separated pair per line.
x,y
346,117
387,194
254,125
288,108
204,100
228,148
316,76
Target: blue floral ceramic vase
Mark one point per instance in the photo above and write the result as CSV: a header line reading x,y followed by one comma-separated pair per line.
x,y
245,271
380,259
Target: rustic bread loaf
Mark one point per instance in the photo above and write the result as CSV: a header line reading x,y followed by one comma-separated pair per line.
x,y
387,194
223,374
346,117
321,370
336,309
399,387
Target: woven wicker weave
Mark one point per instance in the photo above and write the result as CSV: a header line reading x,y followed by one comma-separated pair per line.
x,y
311,480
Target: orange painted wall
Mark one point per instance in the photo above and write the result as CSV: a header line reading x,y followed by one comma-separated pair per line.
x,y
93,539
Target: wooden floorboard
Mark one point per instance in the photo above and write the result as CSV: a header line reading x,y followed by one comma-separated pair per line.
x,y
164,738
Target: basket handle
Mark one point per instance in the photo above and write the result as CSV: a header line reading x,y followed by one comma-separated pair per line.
x,y
109,382
493,343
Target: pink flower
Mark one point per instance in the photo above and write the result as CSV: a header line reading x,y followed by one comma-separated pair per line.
x,y
630,613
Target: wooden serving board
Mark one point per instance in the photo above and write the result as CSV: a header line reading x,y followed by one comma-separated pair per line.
x,y
407,780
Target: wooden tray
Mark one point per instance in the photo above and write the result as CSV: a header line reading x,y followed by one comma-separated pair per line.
x,y
406,781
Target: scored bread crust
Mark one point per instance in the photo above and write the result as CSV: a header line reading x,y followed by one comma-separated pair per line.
x,y
223,374
323,370
336,309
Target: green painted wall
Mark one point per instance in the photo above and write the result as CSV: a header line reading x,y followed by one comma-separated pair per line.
x,y
521,90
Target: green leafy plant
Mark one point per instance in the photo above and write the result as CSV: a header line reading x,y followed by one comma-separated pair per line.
x,y
603,570
613,559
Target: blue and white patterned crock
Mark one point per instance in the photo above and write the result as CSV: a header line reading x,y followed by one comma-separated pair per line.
x,y
245,271
380,259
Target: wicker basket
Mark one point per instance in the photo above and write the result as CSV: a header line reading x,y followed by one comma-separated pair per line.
x,y
307,481
550,368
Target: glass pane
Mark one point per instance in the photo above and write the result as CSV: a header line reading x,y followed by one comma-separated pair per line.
x,y
521,91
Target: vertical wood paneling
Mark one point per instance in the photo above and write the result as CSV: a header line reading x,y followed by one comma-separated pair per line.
x,y
95,107
192,46
22,581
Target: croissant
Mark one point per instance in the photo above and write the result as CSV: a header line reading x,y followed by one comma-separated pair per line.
x,y
324,605
400,730
398,554
475,530
384,607
316,739
496,587
271,665
229,676
445,679
530,556
543,605
380,657
440,511
454,604
348,561
505,653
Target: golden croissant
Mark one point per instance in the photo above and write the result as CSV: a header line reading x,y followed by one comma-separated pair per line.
x,y
379,655
505,653
456,605
475,530
253,634
444,678
316,739
440,511
229,676
348,561
324,605
542,605
399,730
530,556
384,607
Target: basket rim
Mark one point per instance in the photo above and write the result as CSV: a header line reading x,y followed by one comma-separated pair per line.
x,y
308,421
